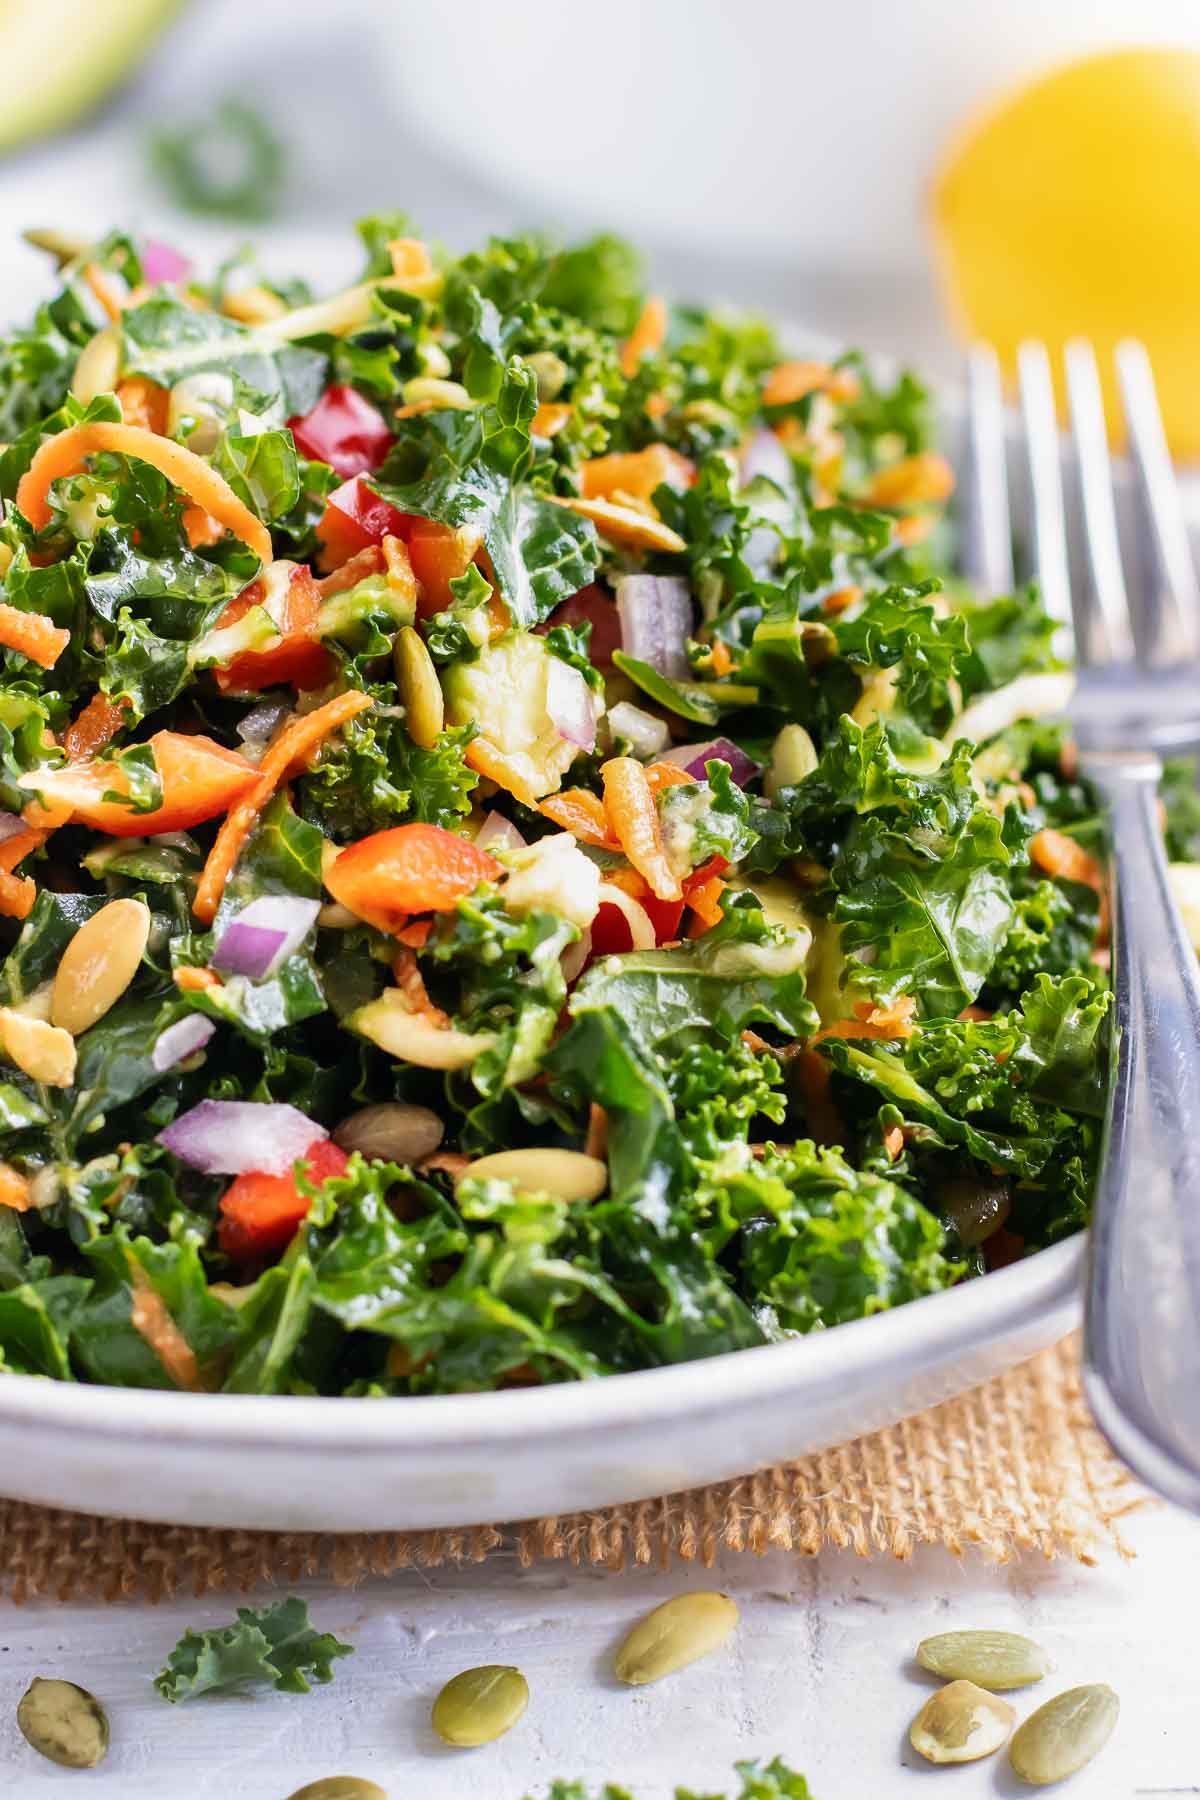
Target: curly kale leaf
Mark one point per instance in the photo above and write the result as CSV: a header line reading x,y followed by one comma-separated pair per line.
x,y
1052,931
375,776
1180,795
277,1647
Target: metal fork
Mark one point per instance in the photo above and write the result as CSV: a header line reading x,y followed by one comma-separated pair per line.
x,y
1134,698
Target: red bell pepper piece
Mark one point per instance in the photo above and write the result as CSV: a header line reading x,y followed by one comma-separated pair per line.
x,y
354,517
260,1213
343,430
299,659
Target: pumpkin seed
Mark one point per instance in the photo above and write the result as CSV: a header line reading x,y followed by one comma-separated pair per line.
x,y
98,964
542,1169
1063,1735
98,366
437,392
677,1633
991,1659
961,1723
420,689
340,1787
480,1705
793,759
63,1722
43,1051
393,1131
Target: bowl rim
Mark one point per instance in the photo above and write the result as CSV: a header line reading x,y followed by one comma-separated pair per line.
x,y
917,1335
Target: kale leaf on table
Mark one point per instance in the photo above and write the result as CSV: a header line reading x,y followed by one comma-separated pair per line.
x,y
276,1647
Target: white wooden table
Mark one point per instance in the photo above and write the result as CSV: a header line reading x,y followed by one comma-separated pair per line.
x,y
819,1671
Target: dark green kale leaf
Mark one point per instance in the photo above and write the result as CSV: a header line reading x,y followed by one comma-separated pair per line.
x,y
1009,636
277,1647
131,1272
375,776
1180,795
227,163
1053,930
37,1318
262,468
708,818
165,340
468,469
760,1781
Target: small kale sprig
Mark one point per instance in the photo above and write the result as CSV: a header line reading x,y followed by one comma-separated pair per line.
x,y
276,1646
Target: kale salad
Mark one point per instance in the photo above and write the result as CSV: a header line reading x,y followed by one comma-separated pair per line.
x,y
518,858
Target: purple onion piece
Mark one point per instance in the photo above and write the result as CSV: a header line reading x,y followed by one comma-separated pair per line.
x,y
161,263
11,825
570,704
182,1039
234,1137
498,833
264,934
693,757
765,455
656,620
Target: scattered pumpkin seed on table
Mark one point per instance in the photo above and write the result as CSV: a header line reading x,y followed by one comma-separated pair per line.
x,y
1064,1734
340,1787
63,1722
961,1723
480,1705
677,1633
991,1659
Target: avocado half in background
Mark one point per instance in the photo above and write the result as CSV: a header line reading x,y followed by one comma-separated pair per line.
x,y
61,58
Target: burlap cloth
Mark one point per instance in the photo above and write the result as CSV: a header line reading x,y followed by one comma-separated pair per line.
x,y
1015,1465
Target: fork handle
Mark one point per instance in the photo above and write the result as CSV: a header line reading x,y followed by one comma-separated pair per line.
x,y
1142,1334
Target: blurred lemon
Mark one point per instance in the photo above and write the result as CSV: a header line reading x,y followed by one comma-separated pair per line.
x,y
1071,211
62,57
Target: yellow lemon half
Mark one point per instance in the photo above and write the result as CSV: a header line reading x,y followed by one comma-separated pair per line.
x,y
1073,210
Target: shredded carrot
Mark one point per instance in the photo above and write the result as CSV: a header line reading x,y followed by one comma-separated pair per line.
x,y
629,882
33,635
665,774
635,474
887,1023
66,454
791,381
840,599
398,564
647,336
191,980
106,291
415,934
550,418
493,765
582,814
14,1189
357,568
634,822
705,901
15,849
657,407
97,725
911,481
893,1141
409,257
143,403
720,659
152,1321
200,528
596,1142
912,530
979,1014
814,1076
414,408
1057,854
290,750
17,895
411,983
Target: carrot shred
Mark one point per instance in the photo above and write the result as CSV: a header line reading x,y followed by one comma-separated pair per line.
x,y
411,983
355,569
66,454
893,1141
192,980
721,660
33,635
1057,854
15,849
582,814
415,934
493,765
705,902
200,528
883,1023
647,336
634,822
400,576
814,1076
14,1189
840,599
17,895
596,1142
635,474
152,1321
911,481
144,403
97,725
977,1014
291,750
629,882
105,290
665,774
550,418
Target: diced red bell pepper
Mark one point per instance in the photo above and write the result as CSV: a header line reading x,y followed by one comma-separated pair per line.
x,y
299,659
260,1213
591,605
419,868
343,430
354,517
200,780
439,555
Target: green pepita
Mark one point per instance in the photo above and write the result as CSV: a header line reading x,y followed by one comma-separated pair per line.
x,y
340,1787
63,1722
480,1705
1063,1735
961,1723
991,1659
677,1633
420,689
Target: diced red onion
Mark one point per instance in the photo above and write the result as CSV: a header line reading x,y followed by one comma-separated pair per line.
x,y
498,833
693,757
235,1137
570,704
645,733
633,912
656,618
182,1039
257,727
11,825
263,934
161,263
765,455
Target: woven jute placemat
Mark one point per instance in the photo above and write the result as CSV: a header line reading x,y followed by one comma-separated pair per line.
x,y
1014,1466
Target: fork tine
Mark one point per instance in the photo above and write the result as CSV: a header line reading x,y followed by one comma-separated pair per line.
x,y
987,545
1173,610
1045,484
1106,634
